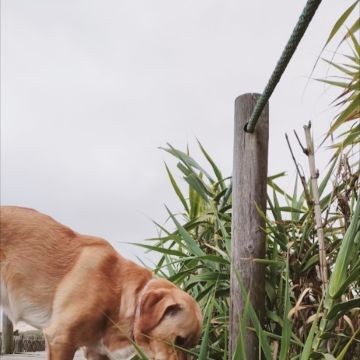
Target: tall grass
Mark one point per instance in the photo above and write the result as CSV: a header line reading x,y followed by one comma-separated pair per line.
x,y
304,319
195,256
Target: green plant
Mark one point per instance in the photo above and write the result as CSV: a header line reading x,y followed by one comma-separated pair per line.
x,y
346,78
195,255
305,318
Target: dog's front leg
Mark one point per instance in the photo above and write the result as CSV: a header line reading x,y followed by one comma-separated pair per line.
x,y
60,352
59,347
91,354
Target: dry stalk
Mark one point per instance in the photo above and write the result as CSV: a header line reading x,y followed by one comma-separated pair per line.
x,y
315,192
301,176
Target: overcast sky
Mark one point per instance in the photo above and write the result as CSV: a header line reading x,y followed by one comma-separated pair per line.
x,y
91,89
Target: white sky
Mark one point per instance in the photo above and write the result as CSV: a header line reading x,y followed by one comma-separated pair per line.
x,y
91,89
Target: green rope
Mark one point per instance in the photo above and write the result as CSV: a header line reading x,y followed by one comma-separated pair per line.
x,y
298,32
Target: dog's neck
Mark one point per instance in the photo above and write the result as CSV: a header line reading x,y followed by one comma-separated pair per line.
x,y
126,313
130,283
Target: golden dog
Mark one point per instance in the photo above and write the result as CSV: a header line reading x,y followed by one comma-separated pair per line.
x,y
82,293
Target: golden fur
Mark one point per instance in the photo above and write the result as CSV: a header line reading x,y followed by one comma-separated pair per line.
x,y
84,294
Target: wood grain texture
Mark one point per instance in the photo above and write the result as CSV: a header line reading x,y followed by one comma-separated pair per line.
x,y
42,355
248,237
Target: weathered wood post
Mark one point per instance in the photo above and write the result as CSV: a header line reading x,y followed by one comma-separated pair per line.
x,y
7,335
248,237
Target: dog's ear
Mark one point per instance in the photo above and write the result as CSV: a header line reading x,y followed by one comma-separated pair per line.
x,y
154,305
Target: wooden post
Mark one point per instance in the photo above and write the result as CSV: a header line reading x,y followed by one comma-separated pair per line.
x,y
248,237
7,335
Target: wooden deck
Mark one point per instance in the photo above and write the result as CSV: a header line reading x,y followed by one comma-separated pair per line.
x,y
35,356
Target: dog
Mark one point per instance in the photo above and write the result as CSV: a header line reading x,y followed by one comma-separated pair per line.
x,y
83,294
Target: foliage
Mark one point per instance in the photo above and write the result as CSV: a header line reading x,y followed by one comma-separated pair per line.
x,y
302,319
195,256
347,78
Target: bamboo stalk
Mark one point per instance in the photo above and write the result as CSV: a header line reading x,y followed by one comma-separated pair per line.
x,y
316,197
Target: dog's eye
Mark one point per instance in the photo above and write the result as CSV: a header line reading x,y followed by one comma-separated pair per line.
x,y
180,341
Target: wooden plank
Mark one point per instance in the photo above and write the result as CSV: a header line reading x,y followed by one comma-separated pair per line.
x,y
25,356
42,355
248,238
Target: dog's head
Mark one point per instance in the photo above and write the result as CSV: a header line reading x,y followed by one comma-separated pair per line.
x,y
167,319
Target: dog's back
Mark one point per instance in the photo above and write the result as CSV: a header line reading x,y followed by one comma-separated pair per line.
x,y
35,253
